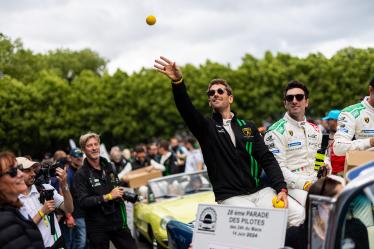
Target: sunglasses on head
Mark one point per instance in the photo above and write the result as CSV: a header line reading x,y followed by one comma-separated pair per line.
x,y
290,97
11,172
220,91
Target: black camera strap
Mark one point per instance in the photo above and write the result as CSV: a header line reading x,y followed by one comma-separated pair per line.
x,y
40,188
109,170
116,182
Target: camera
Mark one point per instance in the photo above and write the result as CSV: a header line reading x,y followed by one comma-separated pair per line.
x,y
45,195
59,164
130,197
48,170
109,207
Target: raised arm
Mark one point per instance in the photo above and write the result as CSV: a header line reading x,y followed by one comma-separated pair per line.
x,y
169,68
192,117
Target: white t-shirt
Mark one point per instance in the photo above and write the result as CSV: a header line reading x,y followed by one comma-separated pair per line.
x,y
31,206
193,158
228,128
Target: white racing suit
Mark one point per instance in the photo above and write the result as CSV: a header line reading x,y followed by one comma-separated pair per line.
x,y
294,145
355,128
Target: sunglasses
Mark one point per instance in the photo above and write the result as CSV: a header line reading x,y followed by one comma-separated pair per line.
x,y
220,91
12,172
290,98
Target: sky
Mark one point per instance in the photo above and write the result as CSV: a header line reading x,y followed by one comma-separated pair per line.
x,y
189,31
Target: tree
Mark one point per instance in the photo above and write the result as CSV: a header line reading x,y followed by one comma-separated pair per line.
x,y
45,99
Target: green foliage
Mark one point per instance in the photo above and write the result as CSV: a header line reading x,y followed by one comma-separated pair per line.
x,y
45,99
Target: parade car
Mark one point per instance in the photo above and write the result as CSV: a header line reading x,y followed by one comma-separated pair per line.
x,y
352,209
174,197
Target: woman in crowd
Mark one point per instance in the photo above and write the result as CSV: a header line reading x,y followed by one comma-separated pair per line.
x,y
18,231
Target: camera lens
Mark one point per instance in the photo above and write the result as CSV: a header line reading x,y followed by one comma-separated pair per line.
x,y
130,197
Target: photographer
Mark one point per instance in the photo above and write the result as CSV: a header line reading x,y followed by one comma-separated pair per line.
x,y
41,200
72,225
101,199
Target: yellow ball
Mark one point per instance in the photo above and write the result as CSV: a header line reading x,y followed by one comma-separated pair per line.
x,y
279,204
150,20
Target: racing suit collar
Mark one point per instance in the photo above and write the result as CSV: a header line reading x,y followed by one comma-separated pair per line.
x,y
365,102
293,121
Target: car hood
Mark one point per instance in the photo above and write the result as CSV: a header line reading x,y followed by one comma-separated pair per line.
x,y
184,208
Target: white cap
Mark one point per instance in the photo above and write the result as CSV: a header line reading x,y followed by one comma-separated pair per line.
x,y
25,163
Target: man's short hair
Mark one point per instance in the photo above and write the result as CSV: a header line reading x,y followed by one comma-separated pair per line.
x,y
191,140
372,82
296,84
139,149
151,144
164,144
221,82
59,154
85,137
115,150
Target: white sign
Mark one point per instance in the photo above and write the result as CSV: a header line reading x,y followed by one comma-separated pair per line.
x,y
72,144
130,216
104,152
229,227
130,213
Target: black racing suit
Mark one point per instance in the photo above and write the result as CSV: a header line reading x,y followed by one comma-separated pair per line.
x,y
104,220
233,170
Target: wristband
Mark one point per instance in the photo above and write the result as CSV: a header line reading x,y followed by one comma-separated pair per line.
x,y
109,197
40,212
42,215
179,81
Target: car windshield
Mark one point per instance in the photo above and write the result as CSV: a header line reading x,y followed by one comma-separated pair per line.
x,y
180,184
358,226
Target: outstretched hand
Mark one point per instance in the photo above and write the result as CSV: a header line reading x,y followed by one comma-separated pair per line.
x,y
169,68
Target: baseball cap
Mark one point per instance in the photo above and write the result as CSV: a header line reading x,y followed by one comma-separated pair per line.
x,y
24,163
333,114
76,152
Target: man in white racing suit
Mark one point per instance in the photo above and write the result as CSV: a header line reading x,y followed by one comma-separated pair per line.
x,y
356,126
294,142
356,132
